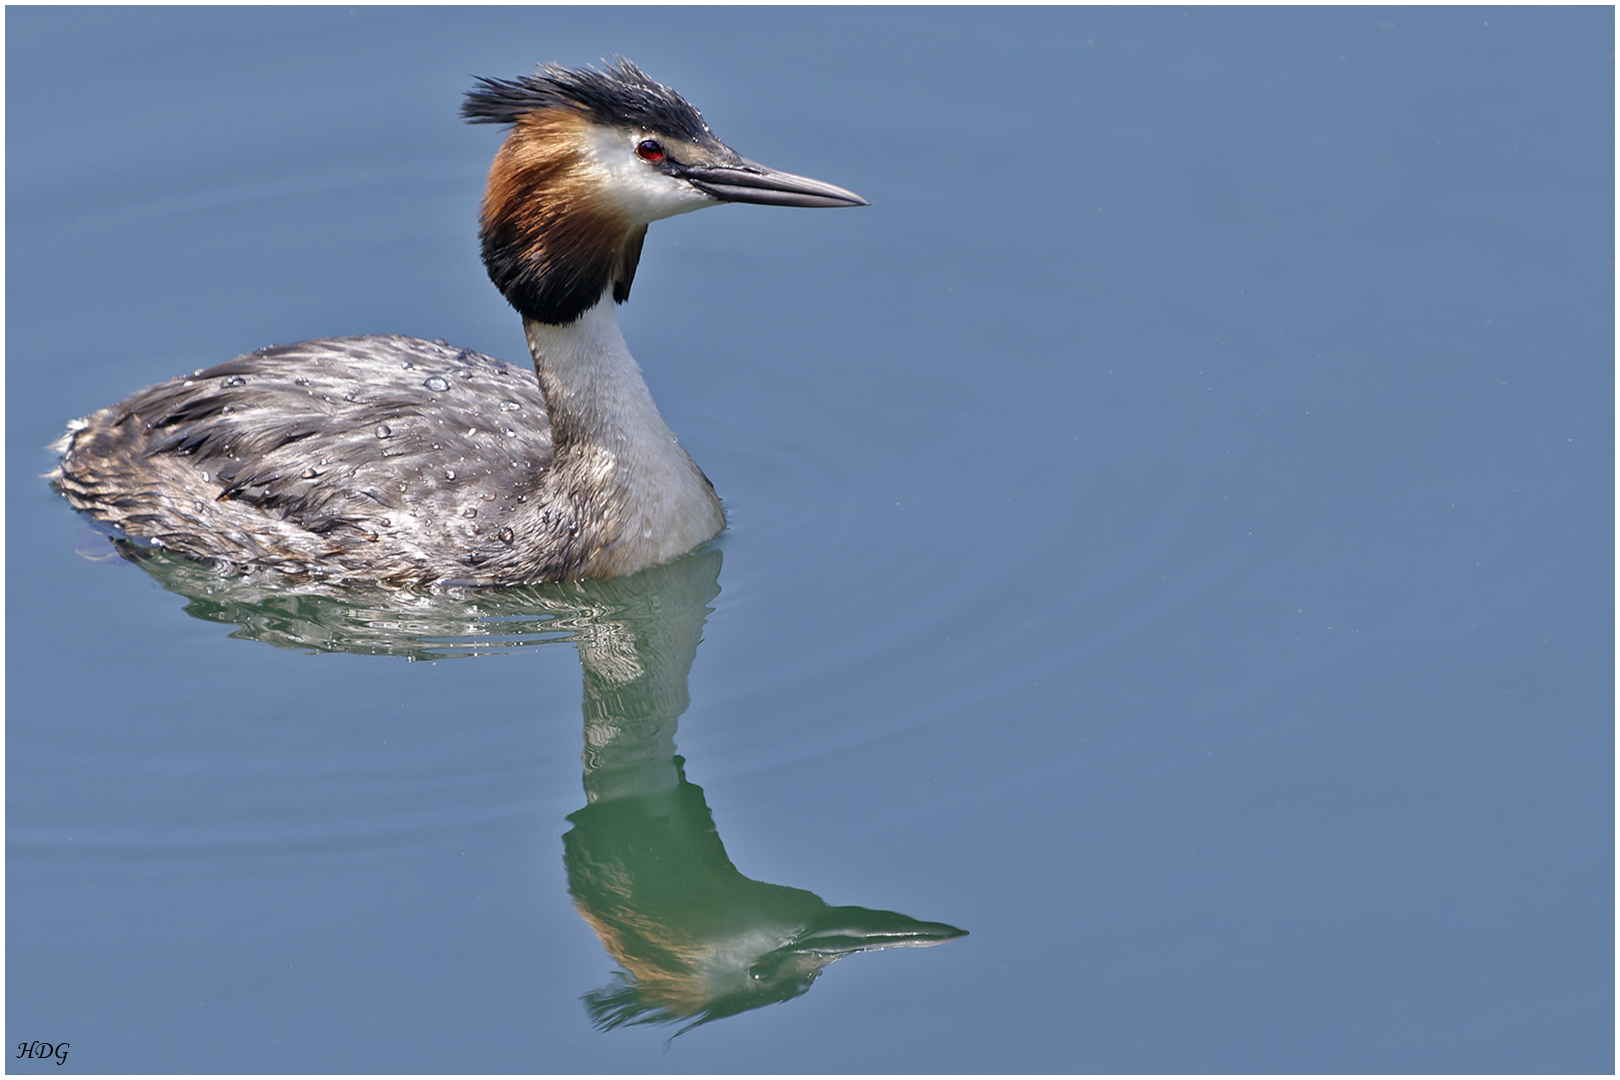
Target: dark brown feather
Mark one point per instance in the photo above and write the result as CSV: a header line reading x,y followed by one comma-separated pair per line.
x,y
550,248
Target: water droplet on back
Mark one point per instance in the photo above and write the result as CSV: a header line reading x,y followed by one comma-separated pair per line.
x,y
436,383
383,431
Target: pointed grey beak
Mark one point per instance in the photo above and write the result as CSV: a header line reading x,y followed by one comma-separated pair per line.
x,y
751,182
842,930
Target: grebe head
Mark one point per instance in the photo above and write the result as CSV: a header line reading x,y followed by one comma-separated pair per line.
x,y
594,157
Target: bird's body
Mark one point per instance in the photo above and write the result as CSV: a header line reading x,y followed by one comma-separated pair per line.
x,y
385,458
393,459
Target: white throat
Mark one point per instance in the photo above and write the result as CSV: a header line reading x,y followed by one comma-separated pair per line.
x,y
653,501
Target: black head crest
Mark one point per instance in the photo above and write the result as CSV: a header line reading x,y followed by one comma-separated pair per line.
x,y
622,95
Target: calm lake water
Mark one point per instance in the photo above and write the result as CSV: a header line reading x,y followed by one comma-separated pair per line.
x,y
1171,541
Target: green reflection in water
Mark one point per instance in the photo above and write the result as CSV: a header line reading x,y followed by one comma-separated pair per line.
x,y
695,938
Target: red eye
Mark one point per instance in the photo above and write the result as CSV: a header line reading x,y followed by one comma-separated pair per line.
x,y
649,150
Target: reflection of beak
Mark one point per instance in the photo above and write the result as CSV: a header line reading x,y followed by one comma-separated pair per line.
x,y
842,930
751,182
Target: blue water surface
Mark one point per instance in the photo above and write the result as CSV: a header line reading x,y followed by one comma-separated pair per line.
x,y
1171,540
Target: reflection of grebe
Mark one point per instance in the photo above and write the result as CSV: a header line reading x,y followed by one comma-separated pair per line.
x,y
387,458
695,939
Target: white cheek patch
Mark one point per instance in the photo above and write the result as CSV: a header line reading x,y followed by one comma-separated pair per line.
x,y
631,186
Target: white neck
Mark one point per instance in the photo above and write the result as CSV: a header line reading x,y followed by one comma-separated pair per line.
x,y
652,501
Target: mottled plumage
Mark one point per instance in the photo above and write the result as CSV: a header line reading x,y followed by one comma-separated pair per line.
x,y
375,458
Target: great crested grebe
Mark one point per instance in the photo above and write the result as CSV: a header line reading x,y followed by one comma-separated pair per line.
x,y
392,459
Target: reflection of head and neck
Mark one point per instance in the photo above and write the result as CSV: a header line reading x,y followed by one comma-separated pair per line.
x,y
696,939
646,867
